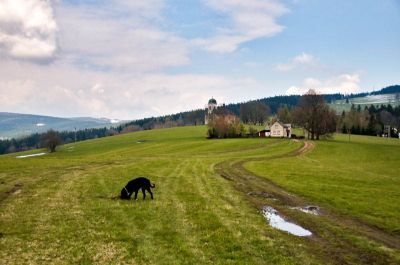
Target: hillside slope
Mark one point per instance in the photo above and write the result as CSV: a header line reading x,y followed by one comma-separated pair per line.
x,y
61,207
365,101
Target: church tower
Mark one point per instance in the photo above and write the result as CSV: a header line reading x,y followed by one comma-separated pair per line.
x,y
211,106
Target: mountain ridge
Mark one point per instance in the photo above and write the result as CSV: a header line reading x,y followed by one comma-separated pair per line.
x,y
20,124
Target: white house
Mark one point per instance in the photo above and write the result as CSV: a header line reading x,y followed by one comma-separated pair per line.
x,y
279,129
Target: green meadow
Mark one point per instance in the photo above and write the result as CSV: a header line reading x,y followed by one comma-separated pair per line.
x,y
62,208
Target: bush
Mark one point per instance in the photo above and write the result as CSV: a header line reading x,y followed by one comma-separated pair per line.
x,y
225,126
253,132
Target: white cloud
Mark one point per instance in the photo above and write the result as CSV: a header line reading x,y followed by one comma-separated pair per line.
x,y
121,35
304,58
63,90
301,60
250,19
345,84
108,63
27,29
110,57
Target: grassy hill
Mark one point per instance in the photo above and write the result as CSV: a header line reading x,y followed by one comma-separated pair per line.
x,y
365,101
60,208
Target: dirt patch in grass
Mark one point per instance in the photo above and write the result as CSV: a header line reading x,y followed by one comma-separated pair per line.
x,y
261,194
13,191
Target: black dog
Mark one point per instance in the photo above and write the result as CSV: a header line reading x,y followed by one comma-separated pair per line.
x,y
134,185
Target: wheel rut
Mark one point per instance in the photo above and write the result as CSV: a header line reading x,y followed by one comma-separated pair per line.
x,y
327,241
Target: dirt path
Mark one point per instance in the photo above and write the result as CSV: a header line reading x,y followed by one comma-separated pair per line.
x,y
331,230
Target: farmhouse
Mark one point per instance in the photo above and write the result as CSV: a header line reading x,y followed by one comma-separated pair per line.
x,y
279,129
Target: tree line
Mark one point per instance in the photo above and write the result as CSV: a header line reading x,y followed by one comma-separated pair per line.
x,y
311,113
287,109
371,120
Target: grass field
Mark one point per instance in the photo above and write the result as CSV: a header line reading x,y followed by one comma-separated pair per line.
x,y
60,208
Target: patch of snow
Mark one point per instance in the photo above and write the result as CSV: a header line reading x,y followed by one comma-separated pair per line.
x,y
40,124
276,221
25,156
114,121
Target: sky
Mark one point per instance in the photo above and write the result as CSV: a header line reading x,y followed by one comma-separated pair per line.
x,y
129,59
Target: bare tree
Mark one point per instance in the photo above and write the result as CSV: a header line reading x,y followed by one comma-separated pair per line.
x,y
255,112
314,115
51,140
262,111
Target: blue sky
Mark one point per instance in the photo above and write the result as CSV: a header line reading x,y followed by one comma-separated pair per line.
x,y
132,59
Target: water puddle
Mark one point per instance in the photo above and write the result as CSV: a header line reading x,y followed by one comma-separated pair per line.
x,y
25,156
276,221
310,209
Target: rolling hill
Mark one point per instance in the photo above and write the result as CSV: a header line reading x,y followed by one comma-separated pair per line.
x,y
365,100
62,208
16,125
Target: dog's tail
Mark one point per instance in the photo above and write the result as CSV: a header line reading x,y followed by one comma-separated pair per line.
x,y
153,185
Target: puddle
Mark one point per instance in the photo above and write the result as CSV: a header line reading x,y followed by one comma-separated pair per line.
x,y
276,221
140,141
25,156
308,209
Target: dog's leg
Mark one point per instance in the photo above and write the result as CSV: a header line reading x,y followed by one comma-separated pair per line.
x,y
151,194
144,194
136,192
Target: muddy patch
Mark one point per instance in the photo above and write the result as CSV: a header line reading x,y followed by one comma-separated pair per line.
x,y
310,209
278,222
262,194
13,191
26,156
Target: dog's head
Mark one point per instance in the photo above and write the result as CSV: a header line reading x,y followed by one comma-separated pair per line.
x,y
125,194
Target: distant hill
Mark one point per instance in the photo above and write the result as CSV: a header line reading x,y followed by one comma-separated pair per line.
x,y
385,96
17,125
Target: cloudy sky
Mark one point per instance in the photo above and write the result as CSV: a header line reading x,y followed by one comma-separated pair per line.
x,y
129,59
